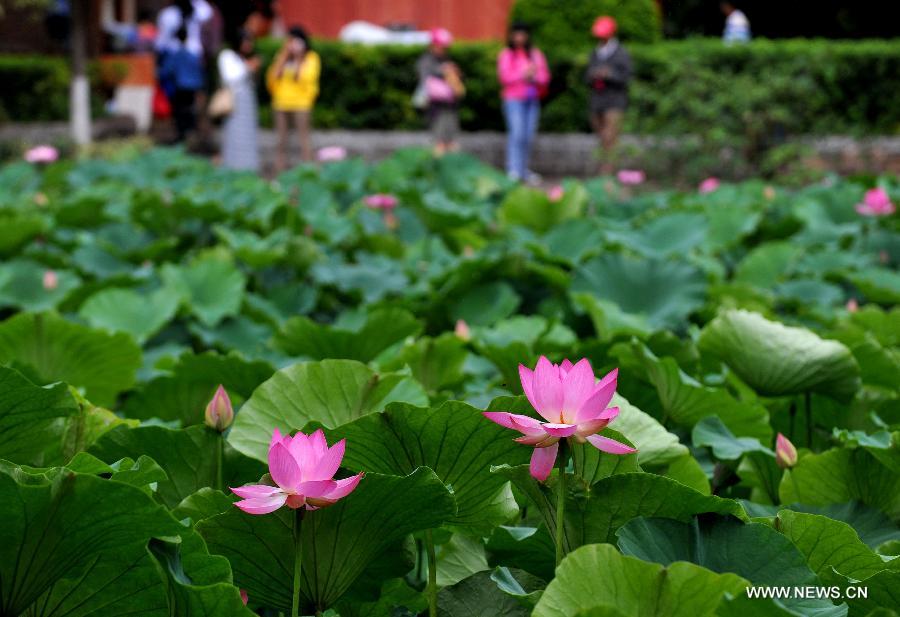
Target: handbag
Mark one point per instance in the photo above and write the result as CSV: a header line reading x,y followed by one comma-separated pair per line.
x,y
222,103
438,90
162,108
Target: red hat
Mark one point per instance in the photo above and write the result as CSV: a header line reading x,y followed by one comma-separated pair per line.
x,y
604,27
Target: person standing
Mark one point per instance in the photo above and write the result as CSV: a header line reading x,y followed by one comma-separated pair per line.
x,y
184,71
440,83
188,14
737,26
524,77
238,65
293,81
608,74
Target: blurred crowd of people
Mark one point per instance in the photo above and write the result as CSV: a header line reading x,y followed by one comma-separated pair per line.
x,y
206,75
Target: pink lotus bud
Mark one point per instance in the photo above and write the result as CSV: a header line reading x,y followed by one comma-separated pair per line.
x,y
42,154
462,330
51,280
380,201
769,193
219,413
40,199
709,185
876,203
556,192
244,597
852,305
631,177
331,153
468,250
785,452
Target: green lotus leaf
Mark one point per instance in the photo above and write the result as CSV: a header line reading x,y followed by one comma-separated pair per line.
x,y
210,287
22,285
778,360
126,310
676,233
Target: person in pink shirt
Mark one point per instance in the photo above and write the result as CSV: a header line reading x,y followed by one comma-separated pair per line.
x,y
524,77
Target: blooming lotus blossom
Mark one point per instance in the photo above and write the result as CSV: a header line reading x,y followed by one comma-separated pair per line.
x,y
876,203
556,192
462,330
574,405
42,154
50,280
219,412
331,153
785,452
631,177
303,468
709,185
381,201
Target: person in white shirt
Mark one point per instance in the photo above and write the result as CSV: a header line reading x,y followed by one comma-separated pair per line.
x,y
191,14
737,26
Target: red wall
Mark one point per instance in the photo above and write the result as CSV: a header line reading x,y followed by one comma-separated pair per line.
x,y
466,19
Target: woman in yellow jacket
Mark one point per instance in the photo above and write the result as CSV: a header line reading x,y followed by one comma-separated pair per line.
x,y
293,82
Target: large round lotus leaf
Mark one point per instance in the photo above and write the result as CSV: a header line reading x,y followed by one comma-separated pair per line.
x,y
49,348
663,291
126,310
211,288
532,208
331,392
777,360
23,285
669,234
598,576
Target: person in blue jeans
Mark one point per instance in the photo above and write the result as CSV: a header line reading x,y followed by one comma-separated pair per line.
x,y
524,76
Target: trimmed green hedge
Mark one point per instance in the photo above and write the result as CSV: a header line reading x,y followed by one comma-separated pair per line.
x,y
759,90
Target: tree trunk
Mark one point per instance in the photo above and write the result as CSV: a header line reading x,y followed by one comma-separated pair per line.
x,y
80,91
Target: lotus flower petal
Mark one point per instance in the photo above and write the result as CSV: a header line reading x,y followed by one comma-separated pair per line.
x,y
262,505
542,461
548,390
283,468
612,446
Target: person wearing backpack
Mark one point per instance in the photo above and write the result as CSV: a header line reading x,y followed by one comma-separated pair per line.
x,y
184,70
524,78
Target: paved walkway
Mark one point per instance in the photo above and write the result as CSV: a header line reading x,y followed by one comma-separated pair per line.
x,y
555,154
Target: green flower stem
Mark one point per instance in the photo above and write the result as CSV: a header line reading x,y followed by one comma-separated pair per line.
x,y
432,574
298,562
562,461
220,457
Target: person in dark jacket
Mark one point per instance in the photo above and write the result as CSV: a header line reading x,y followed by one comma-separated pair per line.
x,y
184,70
608,74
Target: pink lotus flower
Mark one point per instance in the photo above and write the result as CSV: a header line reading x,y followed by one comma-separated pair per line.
x,y
709,185
574,406
381,201
852,305
42,154
219,412
556,192
50,280
876,203
331,153
785,452
631,177
462,330
302,467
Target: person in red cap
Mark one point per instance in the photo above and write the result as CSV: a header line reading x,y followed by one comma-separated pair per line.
x,y
608,74
439,91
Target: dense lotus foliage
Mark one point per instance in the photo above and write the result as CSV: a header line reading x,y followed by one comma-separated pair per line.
x,y
226,396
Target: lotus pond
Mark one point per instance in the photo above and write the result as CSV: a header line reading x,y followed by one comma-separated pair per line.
x,y
443,394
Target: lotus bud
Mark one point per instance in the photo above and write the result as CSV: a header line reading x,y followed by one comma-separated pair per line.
x,y
244,597
785,452
556,192
219,413
462,330
51,280
631,177
40,199
769,193
852,305
709,185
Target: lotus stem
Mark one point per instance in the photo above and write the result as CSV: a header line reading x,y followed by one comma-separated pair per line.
x,y
561,499
809,421
298,562
220,457
792,414
432,574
